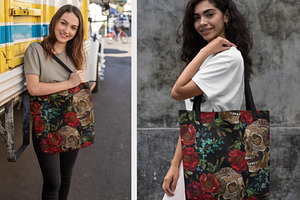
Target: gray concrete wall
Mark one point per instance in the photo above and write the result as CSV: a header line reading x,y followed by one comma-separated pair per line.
x,y
275,27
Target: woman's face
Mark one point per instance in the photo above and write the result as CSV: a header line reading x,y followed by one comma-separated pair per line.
x,y
66,27
209,21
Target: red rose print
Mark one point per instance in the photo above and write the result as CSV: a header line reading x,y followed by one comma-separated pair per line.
x,y
252,198
71,119
207,197
35,108
209,183
54,138
45,96
74,90
46,147
194,191
38,124
188,134
246,116
237,158
207,117
55,149
189,159
86,144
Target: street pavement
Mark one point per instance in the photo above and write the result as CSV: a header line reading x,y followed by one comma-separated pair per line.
x,y
104,170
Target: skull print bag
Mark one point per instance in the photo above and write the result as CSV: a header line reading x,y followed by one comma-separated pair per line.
x,y
64,120
226,155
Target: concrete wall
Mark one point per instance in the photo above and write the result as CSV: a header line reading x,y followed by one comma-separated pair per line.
x,y
275,27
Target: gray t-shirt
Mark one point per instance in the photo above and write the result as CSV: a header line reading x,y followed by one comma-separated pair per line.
x,y
48,70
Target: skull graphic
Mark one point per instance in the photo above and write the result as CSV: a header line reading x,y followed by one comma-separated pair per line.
x,y
83,107
257,145
71,137
233,186
63,93
232,117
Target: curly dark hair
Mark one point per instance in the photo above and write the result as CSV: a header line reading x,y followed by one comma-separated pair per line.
x,y
74,47
237,32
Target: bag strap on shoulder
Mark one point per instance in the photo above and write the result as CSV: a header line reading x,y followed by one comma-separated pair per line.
x,y
60,62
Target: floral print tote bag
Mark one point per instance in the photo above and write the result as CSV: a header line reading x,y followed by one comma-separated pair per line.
x,y
226,155
64,120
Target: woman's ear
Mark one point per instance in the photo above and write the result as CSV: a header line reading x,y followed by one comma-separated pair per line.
x,y
226,16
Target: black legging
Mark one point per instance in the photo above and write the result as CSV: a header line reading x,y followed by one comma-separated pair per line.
x,y
57,172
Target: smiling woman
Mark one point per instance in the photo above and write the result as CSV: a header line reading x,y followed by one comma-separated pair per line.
x,y
60,123
215,46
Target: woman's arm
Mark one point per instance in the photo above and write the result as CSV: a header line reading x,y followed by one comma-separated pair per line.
x,y
184,87
170,180
36,88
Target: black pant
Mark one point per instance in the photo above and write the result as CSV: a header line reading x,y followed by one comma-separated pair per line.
x,y
57,172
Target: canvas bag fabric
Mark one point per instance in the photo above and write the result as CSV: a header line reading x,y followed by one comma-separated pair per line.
x,y
64,120
226,155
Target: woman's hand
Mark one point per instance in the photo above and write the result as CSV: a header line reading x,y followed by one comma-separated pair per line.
x,y
76,78
170,180
217,45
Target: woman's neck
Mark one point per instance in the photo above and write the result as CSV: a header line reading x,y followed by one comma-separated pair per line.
x,y
59,47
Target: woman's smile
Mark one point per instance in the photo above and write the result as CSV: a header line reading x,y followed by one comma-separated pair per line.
x,y
206,31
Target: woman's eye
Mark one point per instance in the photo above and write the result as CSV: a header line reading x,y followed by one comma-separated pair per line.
x,y
63,23
74,28
210,15
196,18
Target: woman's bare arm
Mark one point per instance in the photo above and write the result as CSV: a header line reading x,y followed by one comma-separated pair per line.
x,y
186,88
37,88
171,178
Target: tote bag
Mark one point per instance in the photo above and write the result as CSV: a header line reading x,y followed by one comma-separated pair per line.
x,y
63,121
226,155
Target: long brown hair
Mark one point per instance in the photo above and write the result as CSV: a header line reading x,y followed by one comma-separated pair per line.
x,y
74,47
237,32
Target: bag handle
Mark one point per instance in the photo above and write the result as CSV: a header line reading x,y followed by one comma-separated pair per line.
x,y
60,62
249,101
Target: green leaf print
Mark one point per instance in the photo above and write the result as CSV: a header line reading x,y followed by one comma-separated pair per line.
x,y
182,118
210,167
202,164
191,116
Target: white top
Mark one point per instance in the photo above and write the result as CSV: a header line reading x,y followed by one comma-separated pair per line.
x,y
221,78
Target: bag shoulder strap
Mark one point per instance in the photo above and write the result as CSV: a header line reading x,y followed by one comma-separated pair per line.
x,y
60,62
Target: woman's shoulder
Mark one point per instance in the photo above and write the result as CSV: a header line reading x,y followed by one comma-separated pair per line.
x,y
34,46
229,59
230,55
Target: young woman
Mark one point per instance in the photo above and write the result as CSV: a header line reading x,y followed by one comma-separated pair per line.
x,y
215,46
45,76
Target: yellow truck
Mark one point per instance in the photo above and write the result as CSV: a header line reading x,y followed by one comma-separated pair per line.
x,y
23,22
